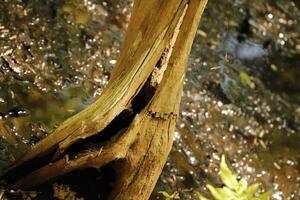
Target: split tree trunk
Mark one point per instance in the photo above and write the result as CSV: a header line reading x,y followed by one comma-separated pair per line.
x,y
146,83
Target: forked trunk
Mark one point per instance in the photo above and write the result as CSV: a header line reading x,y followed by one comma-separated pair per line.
x,y
145,90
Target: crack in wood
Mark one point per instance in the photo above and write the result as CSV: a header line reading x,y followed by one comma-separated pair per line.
x,y
145,143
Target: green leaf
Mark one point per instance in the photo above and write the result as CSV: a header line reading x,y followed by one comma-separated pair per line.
x,y
228,178
242,186
228,194
200,196
265,195
214,193
233,189
251,190
245,79
167,196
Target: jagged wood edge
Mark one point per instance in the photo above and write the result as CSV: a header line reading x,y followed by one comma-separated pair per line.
x,y
150,29
109,152
152,128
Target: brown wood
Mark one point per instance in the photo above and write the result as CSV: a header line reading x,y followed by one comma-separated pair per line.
x,y
144,146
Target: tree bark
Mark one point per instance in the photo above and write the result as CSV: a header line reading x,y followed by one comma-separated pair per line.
x,y
146,82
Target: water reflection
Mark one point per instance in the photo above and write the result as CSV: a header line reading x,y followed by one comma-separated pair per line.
x,y
241,110
245,50
51,66
241,94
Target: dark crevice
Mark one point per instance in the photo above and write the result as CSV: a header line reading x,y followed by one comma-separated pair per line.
x,y
121,122
88,183
143,97
117,126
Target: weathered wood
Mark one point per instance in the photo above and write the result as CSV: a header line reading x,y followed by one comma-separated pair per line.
x,y
142,148
151,27
144,165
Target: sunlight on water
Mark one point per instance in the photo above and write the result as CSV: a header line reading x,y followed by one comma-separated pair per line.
x,y
241,95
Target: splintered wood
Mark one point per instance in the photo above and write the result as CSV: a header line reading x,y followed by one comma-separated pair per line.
x,y
157,45
160,68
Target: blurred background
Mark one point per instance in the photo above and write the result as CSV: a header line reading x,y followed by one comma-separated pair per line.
x,y
241,96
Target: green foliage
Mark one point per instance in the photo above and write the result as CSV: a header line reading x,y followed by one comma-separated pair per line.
x,y
234,189
245,79
168,196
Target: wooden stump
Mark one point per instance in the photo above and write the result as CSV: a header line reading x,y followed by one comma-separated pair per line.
x,y
145,90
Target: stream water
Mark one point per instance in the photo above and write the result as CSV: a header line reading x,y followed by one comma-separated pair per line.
x,y
241,95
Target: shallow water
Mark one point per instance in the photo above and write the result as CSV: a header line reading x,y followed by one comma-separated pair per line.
x,y
56,58
241,95
241,99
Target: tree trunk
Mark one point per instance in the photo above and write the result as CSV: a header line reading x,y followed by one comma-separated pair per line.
x,y
145,91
